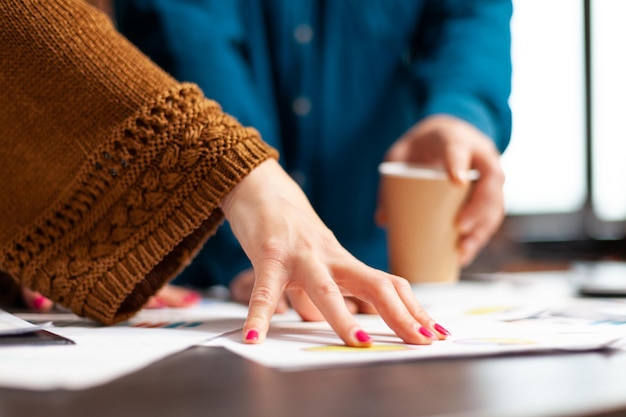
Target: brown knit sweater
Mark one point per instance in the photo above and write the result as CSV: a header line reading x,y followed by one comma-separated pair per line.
x,y
111,172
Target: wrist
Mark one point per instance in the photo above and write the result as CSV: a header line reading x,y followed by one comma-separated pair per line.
x,y
254,181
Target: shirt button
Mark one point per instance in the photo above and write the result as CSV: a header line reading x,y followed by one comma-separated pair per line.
x,y
303,34
301,106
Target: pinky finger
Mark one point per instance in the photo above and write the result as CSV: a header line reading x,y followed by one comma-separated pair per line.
x,y
408,298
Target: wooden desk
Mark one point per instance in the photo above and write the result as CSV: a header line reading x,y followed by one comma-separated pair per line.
x,y
206,381
214,382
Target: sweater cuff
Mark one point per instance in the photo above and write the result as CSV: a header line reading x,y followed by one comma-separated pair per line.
x,y
140,208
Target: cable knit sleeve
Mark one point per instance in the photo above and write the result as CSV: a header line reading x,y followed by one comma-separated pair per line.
x,y
112,171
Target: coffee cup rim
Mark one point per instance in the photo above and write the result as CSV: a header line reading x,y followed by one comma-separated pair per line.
x,y
410,170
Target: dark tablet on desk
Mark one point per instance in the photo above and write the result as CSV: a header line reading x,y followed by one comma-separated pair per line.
x,y
594,289
604,279
34,338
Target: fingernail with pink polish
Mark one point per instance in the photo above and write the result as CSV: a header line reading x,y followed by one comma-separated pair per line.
x,y
425,332
362,336
39,301
442,329
252,335
192,297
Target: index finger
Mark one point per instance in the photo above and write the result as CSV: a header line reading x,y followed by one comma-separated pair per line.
x,y
265,296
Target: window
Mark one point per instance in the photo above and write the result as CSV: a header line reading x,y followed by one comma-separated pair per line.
x,y
608,111
565,175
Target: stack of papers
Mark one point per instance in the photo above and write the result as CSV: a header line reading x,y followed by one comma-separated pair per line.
x,y
17,332
499,317
484,319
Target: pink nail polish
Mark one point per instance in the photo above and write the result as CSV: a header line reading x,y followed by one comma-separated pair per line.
x,y
424,331
252,335
39,301
362,336
442,329
191,297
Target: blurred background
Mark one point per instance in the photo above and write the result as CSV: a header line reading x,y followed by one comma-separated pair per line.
x,y
565,169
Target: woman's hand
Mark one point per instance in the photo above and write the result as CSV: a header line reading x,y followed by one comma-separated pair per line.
x,y
459,146
292,250
241,290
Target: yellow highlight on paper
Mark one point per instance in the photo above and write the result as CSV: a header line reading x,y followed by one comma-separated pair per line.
x,y
487,310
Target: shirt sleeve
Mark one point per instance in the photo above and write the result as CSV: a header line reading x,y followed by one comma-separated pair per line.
x,y
211,44
461,56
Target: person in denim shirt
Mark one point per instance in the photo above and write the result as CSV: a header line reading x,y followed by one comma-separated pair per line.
x,y
337,87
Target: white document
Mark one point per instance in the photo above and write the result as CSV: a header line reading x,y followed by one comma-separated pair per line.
x,y
295,345
515,315
12,325
99,356
102,354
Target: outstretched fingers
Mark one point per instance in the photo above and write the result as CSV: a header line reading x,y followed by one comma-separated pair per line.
x,y
394,300
391,296
326,295
322,292
405,292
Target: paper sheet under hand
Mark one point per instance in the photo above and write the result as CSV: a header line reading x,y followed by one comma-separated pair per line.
x,y
296,345
495,318
520,314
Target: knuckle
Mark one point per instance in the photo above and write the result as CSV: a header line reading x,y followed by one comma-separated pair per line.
x,y
328,288
272,249
261,296
402,285
385,286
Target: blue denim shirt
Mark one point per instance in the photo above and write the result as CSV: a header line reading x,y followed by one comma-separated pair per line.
x,y
331,84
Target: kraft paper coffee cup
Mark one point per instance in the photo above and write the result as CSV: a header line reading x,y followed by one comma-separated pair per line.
x,y
421,206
